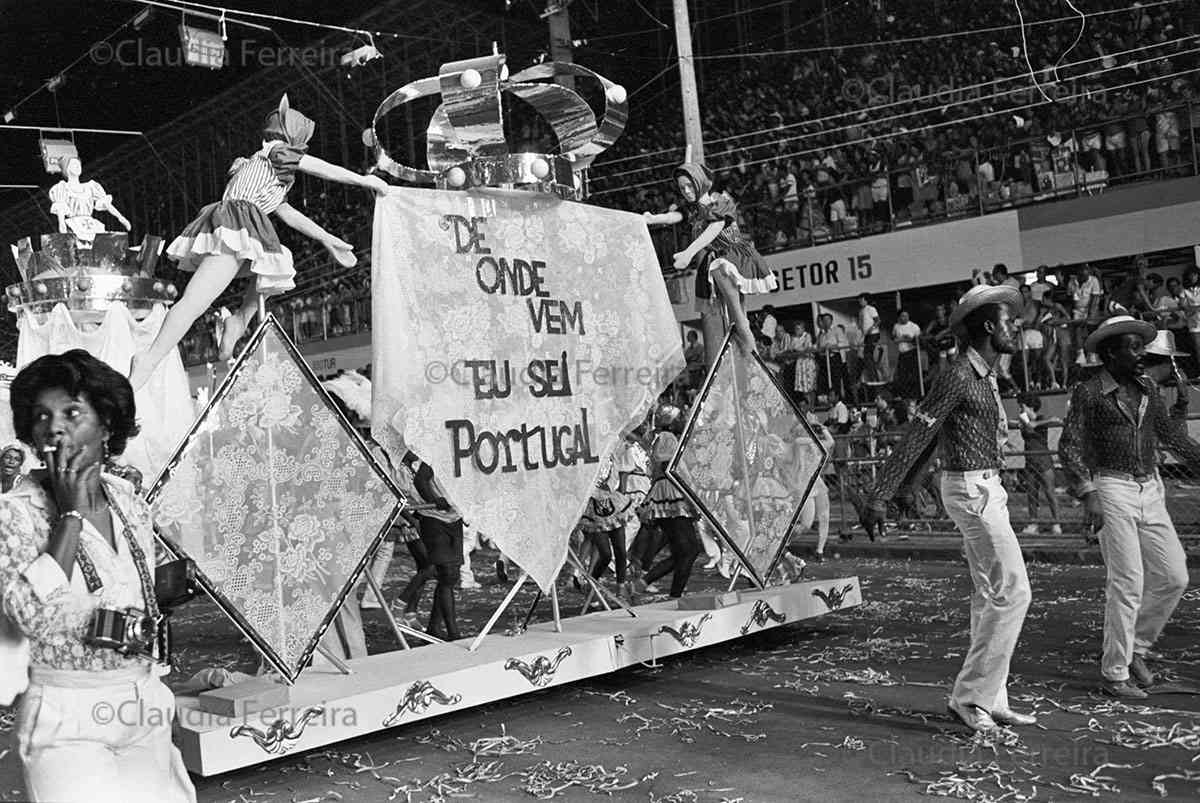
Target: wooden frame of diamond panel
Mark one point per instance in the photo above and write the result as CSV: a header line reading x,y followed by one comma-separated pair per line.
x,y
728,352
290,673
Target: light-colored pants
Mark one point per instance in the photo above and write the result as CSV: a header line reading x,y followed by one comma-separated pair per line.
x,y
816,509
1147,569
978,504
100,737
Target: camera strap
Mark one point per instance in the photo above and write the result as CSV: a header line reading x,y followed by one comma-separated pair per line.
x,y
92,578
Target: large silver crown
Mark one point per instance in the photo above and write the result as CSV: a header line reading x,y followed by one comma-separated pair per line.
x,y
465,144
88,277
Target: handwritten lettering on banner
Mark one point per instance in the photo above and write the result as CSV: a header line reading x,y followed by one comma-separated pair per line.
x,y
527,448
515,338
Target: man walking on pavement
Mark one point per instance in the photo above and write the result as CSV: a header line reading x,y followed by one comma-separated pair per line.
x,y
1109,452
964,408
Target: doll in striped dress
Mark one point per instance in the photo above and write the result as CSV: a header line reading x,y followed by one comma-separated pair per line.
x,y
235,237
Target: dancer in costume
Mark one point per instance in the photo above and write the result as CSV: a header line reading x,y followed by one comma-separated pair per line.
x,y
964,408
728,260
621,487
667,507
442,534
1109,452
234,237
73,201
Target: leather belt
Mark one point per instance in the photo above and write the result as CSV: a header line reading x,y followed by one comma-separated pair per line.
x,y
1140,479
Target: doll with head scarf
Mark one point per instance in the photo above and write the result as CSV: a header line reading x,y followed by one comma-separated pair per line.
x,y
726,259
235,237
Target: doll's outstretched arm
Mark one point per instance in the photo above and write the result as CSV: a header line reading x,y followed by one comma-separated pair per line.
x,y
331,172
124,221
685,257
341,250
663,218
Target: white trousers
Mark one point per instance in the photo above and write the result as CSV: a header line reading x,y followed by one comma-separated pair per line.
x,y
978,504
816,509
1147,569
100,737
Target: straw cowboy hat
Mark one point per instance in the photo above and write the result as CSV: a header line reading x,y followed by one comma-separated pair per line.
x,y
1119,325
981,295
1163,345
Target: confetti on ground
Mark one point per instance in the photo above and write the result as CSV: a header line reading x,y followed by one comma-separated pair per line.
x,y
547,780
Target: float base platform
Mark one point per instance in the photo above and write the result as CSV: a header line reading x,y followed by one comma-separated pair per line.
x,y
405,686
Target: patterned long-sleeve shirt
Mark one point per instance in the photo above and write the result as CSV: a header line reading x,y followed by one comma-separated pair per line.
x,y
35,593
964,407
1103,433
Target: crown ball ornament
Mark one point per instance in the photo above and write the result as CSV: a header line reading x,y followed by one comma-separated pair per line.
x,y
465,143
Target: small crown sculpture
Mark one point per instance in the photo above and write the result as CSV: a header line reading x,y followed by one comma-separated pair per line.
x,y
88,279
465,144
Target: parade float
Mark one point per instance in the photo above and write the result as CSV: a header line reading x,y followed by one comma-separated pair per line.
x,y
86,287
519,334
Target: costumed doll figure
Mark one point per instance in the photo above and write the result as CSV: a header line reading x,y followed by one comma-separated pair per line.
x,y
73,201
234,236
668,507
622,486
726,258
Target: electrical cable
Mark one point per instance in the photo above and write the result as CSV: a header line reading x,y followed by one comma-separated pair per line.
x,y
1025,52
920,39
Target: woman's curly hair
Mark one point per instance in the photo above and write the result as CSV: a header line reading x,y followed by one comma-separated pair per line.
x,y
82,376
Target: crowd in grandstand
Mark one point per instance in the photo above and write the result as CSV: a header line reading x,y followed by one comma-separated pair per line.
x,y
825,144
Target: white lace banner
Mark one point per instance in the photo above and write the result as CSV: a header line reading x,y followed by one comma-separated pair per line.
x,y
514,337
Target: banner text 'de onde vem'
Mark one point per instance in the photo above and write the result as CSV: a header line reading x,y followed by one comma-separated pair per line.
x,y
525,447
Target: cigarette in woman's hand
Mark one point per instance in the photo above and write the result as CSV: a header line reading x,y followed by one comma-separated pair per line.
x,y
49,447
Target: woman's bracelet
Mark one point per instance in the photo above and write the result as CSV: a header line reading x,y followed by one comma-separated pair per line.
x,y
71,514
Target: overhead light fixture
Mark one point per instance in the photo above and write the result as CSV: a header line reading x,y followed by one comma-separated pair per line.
x,y
55,83
202,48
10,115
141,18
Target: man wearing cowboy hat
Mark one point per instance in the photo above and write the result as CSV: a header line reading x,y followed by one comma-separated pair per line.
x,y
963,412
1109,452
1161,366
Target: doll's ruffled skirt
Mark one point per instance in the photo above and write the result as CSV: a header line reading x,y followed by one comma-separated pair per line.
x,y
242,230
742,263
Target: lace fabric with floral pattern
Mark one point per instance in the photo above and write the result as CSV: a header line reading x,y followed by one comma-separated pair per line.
x,y
442,299
749,459
275,501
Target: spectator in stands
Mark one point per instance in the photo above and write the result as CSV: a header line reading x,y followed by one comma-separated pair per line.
x,y
1039,465
941,341
1040,286
870,325
767,325
1032,341
831,343
1191,306
906,334
805,364
1132,295
1087,294
853,359
1000,277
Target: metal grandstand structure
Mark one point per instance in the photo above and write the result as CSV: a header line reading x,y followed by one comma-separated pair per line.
x,y
162,180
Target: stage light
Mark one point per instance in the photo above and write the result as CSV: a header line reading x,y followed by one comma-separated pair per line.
x,y
55,83
9,116
141,18
202,48
360,56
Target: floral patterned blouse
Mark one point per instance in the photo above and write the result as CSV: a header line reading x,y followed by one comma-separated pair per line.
x,y
52,611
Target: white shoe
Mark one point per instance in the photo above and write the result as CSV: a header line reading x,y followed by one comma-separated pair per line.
x,y
974,717
1030,529
712,563
1056,529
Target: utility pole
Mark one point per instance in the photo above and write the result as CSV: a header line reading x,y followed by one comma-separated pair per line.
x,y
558,16
711,322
